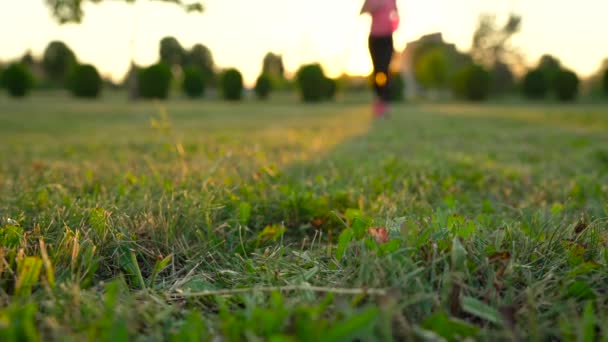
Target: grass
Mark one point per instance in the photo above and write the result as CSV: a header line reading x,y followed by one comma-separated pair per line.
x,y
251,221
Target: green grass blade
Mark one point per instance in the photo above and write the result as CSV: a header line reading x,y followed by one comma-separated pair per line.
x,y
480,309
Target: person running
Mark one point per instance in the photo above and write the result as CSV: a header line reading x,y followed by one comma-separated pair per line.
x,y
385,21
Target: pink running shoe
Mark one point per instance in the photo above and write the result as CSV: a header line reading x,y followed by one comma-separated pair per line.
x,y
380,109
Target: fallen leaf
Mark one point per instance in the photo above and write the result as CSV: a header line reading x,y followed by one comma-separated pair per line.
x,y
502,259
317,222
499,256
380,234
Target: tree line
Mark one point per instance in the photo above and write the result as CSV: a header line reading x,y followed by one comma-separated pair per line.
x,y
484,71
193,70
439,68
488,68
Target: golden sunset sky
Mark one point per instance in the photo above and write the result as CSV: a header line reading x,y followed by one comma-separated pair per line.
x,y
240,32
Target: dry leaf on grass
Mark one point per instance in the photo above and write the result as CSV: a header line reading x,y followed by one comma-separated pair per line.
x,y
380,234
580,227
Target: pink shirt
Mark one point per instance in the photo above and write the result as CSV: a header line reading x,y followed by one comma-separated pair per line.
x,y
385,18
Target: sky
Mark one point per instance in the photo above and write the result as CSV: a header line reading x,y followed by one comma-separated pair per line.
x,y
240,32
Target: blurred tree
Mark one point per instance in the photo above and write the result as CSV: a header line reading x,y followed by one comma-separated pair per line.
x,y
311,82
472,83
36,68
131,81
154,82
550,66
194,81
548,62
17,80
330,88
171,52
491,49
1,75
84,81
535,85
566,85
263,87
432,45
597,84
349,83
231,82
432,69
273,65
200,56
67,11
503,80
605,82
397,87
28,59
57,61
491,42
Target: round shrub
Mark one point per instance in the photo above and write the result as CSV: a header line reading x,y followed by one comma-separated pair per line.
x,y
154,81
566,85
17,80
231,83
396,87
472,82
605,82
194,82
311,80
85,82
263,86
535,84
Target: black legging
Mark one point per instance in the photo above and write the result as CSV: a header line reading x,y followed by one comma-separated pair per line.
x,y
381,49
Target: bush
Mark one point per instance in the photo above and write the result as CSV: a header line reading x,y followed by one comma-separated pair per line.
x,y
84,81
605,81
263,86
472,82
311,82
535,84
330,89
231,83
396,87
17,80
566,85
154,81
194,82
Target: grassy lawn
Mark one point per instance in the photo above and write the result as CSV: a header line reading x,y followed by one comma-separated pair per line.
x,y
251,221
